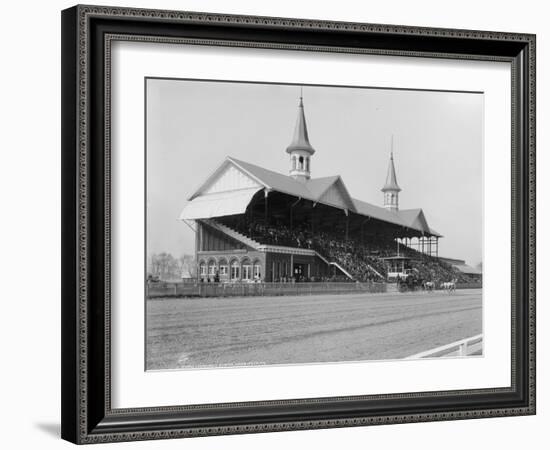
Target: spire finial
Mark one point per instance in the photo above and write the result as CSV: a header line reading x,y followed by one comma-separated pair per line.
x,y
391,178
300,140
300,149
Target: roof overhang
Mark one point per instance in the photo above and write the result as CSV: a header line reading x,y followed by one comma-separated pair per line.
x,y
218,204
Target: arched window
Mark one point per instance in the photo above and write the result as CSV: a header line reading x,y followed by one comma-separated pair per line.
x,y
257,270
247,269
294,163
202,269
235,270
301,163
224,270
212,268
307,164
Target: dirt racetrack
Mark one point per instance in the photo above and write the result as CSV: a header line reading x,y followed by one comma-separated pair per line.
x,y
214,332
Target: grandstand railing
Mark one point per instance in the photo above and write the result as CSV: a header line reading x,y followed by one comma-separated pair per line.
x,y
164,289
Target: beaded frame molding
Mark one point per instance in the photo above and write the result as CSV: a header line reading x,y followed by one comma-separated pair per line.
x,y
87,35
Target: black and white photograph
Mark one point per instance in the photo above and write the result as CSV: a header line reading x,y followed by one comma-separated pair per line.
x,y
276,220
300,224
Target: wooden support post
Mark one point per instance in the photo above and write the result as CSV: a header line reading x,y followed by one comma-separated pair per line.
x,y
312,218
347,223
266,192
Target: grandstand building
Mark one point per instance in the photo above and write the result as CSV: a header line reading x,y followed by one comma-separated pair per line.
x,y
254,224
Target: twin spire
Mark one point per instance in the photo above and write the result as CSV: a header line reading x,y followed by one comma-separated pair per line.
x,y
301,150
391,189
391,178
300,141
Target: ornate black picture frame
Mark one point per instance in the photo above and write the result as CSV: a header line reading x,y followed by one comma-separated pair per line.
x,y
87,34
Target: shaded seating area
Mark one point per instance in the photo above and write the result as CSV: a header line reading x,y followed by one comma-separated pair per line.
x,y
363,259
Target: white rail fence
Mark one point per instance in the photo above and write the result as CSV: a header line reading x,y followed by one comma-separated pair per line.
x,y
464,347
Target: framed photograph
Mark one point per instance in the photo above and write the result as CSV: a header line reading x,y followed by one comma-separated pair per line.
x,y
278,224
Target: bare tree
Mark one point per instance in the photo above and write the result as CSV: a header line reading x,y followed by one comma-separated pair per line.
x,y
164,266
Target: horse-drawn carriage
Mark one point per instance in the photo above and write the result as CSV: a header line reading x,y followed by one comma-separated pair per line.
x,y
409,281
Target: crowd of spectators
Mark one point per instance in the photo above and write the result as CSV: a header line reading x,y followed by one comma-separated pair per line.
x,y
437,271
362,260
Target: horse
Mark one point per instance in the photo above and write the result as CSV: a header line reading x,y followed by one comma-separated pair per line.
x,y
449,286
429,285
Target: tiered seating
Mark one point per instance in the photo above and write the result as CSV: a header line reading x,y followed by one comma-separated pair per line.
x,y
363,261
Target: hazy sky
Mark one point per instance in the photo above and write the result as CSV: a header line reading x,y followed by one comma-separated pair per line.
x,y
438,149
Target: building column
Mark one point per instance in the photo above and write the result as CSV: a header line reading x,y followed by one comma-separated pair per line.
x,y
347,223
266,192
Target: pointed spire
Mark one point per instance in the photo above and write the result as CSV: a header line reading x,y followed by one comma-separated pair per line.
x,y
391,178
300,140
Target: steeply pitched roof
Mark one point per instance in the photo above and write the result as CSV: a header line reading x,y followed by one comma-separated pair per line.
x,y
310,190
391,178
414,218
274,180
377,212
300,141
316,188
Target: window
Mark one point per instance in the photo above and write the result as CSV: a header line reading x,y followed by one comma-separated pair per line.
x,y
307,164
294,163
301,161
247,269
247,272
212,268
202,269
257,271
222,263
235,270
